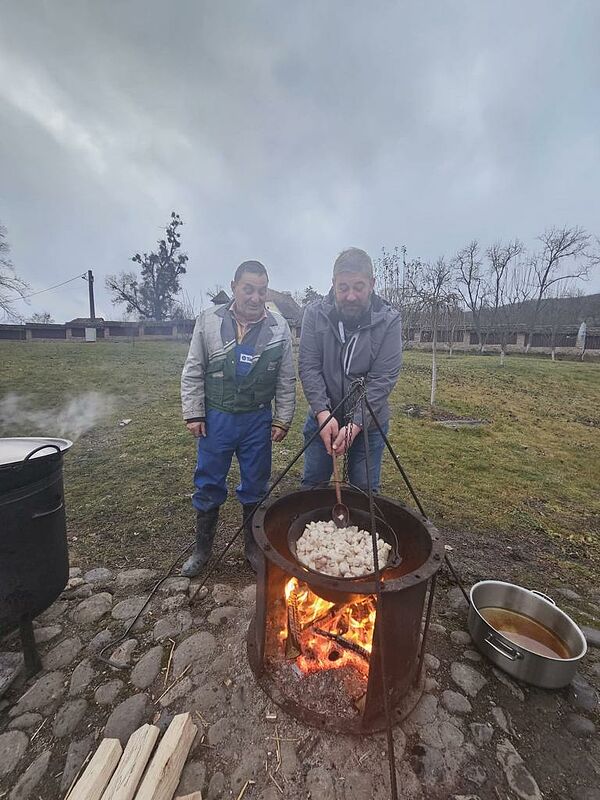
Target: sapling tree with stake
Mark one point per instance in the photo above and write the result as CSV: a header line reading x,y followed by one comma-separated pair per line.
x,y
434,293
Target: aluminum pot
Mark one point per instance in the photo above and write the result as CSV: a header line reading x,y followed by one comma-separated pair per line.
x,y
516,660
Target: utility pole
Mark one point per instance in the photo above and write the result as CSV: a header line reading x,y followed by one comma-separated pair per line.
x,y
90,279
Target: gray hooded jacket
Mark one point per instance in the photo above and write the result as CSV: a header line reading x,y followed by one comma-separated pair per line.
x,y
329,360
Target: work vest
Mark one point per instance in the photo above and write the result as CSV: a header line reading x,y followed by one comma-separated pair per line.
x,y
226,391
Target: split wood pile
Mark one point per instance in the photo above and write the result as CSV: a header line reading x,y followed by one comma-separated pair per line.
x,y
134,773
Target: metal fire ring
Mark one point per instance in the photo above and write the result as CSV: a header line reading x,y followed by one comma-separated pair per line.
x,y
354,585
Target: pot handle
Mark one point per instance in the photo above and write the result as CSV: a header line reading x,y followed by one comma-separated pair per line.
x,y
503,649
545,596
41,447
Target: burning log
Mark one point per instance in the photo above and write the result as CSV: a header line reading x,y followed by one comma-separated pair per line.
x,y
292,642
325,617
335,637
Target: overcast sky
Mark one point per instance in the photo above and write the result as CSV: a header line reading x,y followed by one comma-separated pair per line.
x,y
286,131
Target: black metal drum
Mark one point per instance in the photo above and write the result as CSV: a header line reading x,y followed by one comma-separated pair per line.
x,y
34,560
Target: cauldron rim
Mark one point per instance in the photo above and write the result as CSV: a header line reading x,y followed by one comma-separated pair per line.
x,y
422,573
31,443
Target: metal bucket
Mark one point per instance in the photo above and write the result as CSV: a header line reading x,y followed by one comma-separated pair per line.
x,y
515,659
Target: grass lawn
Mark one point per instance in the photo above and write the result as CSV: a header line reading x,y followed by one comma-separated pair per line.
x,y
530,474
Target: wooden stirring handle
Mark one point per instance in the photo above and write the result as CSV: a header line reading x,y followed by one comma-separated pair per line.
x,y
336,480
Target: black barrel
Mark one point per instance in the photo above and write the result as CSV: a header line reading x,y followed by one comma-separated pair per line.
x,y
34,560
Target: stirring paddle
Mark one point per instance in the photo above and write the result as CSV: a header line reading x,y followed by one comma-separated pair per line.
x,y
340,513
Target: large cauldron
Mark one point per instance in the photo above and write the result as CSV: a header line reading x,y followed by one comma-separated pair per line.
x,y
34,561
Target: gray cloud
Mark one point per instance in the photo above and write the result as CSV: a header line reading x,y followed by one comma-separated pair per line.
x,y
286,132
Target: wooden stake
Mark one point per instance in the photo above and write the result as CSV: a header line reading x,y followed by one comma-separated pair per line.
x,y
133,762
98,772
164,772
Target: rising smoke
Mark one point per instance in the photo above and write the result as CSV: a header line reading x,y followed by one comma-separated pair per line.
x,y
73,419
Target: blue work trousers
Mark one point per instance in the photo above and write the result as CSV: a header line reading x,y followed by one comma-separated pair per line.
x,y
247,435
318,464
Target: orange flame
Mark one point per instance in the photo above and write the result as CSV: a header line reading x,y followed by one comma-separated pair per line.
x,y
354,622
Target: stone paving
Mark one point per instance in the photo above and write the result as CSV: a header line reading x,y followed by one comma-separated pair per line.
x,y
475,734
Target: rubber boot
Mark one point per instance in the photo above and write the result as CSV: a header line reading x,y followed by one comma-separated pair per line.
x,y
206,526
250,546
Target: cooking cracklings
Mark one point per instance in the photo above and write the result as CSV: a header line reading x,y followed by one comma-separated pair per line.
x,y
341,552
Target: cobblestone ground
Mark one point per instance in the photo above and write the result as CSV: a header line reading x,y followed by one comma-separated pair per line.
x,y
474,734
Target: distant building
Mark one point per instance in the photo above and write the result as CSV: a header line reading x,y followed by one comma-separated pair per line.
x,y
284,303
220,298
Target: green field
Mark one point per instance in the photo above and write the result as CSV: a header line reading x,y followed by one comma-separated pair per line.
x,y
529,473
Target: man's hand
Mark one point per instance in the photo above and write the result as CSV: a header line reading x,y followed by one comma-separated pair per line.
x,y
197,429
345,437
329,432
277,434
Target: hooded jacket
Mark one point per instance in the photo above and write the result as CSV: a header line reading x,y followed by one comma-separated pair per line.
x,y
330,359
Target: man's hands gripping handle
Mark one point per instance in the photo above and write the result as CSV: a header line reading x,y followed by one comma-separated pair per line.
x,y
336,439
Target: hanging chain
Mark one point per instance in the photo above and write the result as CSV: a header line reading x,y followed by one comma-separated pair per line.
x,y
353,401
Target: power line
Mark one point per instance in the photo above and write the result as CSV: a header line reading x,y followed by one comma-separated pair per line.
x,y
56,286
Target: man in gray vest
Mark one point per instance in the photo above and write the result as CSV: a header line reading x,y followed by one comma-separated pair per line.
x,y
239,361
351,333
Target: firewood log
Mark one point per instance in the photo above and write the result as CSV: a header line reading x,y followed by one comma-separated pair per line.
x,y
164,772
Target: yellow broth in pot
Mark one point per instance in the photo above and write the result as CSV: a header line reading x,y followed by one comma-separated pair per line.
x,y
525,632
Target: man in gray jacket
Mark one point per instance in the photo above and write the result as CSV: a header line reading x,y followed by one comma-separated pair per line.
x,y
239,361
350,333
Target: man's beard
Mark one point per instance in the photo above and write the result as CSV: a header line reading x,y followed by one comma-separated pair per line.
x,y
351,312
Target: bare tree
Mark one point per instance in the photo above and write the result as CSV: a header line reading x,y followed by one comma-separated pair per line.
x,y
503,282
562,307
433,289
42,318
471,284
185,306
11,286
567,254
515,299
394,282
455,320
389,275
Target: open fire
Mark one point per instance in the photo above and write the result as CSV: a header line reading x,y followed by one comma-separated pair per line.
x,y
322,646
321,635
